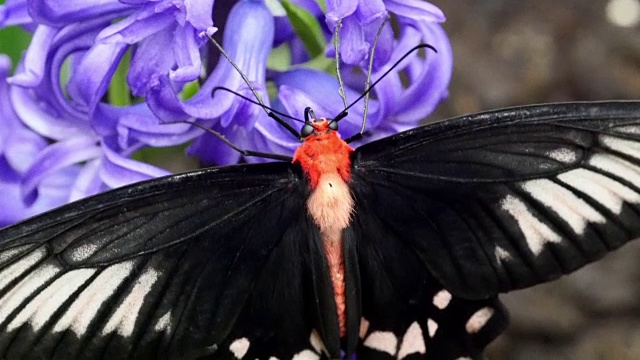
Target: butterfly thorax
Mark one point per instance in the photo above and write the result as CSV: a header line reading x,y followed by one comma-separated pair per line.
x,y
326,161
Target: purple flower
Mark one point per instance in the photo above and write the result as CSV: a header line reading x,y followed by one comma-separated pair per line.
x,y
248,39
81,128
361,20
82,144
248,42
19,147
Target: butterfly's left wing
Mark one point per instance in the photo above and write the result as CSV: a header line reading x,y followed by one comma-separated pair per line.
x,y
219,263
506,199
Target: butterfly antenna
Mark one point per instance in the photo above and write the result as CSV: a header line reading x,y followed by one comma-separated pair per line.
x,y
222,88
367,84
267,109
236,148
415,48
336,45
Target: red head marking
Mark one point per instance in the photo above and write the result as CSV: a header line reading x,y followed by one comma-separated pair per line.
x,y
323,152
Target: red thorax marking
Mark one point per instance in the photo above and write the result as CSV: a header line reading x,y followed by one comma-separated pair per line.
x,y
326,161
323,152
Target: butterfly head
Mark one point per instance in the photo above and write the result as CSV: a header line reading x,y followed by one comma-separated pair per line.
x,y
316,126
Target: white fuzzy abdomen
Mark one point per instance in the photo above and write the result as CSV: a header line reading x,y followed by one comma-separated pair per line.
x,y
331,204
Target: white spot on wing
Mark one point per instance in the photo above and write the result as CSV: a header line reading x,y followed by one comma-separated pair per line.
x,y
575,211
16,269
164,323
41,308
124,318
306,355
501,254
617,166
384,341
83,311
84,251
478,320
563,155
628,129
535,231
432,326
604,190
8,254
239,347
442,299
14,298
412,342
629,147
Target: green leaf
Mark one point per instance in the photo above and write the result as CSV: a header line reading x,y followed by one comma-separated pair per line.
x,y
307,28
14,41
119,93
279,58
189,90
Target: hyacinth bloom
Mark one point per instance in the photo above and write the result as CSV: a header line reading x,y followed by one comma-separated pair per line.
x,y
82,144
19,149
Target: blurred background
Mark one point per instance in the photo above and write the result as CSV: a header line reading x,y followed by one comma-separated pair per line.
x,y
512,52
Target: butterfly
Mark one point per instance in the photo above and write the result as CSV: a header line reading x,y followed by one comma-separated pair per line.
x,y
395,250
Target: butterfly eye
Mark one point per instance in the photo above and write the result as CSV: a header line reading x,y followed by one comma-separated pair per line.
x,y
307,130
333,125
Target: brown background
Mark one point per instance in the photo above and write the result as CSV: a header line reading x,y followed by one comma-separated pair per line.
x,y
531,51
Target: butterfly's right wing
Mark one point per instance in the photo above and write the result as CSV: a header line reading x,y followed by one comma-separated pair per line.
x,y
509,198
210,263
406,313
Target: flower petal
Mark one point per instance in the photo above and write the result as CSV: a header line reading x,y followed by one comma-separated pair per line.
x,y
339,9
187,55
150,60
88,181
22,147
52,192
164,102
33,67
212,151
59,13
138,26
118,170
14,13
247,39
429,85
141,126
37,115
90,80
8,119
370,10
353,47
56,157
416,9
199,13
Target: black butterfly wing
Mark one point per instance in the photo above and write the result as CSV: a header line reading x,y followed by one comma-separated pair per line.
x,y
405,312
506,199
209,263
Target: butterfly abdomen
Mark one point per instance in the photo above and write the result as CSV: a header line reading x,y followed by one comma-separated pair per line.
x,y
325,159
